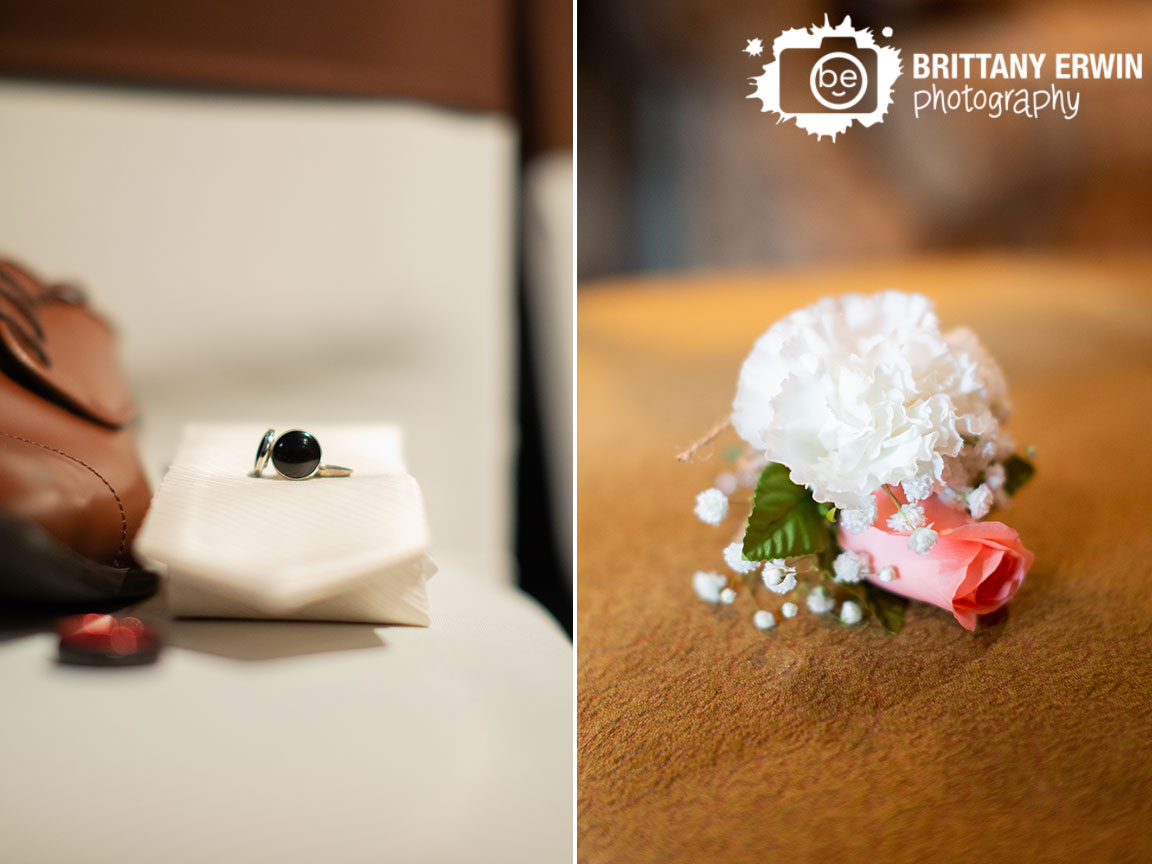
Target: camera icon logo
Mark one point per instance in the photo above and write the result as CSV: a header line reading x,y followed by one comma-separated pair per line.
x,y
836,77
826,78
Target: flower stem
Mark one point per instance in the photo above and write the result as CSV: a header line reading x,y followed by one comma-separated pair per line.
x,y
708,437
896,501
811,565
892,495
754,585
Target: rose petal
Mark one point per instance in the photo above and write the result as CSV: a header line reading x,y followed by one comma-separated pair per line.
x,y
932,578
975,567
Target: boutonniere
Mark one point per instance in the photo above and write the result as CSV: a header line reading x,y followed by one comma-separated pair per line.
x,y
877,456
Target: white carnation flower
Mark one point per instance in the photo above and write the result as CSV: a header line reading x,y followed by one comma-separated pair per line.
x,y
982,409
712,506
734,558
728,596
851,566
859,519
974,458
708,585
989,382
789,610
855,392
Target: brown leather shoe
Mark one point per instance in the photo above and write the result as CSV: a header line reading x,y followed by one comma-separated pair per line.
x,y
68,459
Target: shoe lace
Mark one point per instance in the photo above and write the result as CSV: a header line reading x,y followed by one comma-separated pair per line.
x,y
27,326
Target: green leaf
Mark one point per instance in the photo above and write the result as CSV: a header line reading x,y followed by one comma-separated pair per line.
x,y
828,511
887,608
785,522
1017,472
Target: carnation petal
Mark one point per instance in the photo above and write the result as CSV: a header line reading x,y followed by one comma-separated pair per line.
x,y
856,392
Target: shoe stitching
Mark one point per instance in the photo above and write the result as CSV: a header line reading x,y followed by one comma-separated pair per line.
x,y
119,503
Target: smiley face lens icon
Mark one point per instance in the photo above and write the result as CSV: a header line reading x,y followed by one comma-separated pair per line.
x,y
838,81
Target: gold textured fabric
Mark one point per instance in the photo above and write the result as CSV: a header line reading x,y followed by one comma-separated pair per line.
x,y
703,739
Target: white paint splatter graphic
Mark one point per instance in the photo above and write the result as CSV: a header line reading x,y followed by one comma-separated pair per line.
x,y
825,80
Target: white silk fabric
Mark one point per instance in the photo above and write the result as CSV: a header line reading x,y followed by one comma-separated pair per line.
x,y
233,545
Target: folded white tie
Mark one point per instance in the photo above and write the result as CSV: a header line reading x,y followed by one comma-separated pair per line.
x,y
329,548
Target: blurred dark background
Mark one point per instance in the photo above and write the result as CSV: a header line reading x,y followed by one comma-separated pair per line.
x,y
679,170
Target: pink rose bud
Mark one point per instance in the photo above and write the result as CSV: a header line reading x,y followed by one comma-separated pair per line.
x,y
974,568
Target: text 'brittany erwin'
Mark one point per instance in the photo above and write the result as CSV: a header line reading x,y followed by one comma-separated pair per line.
x,y
1006,66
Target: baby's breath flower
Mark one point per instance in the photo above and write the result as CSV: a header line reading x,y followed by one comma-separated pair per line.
x,y
859,519
923,540
708,585
850,612
918,488
712,506
886,574
994,476
727,483
907,518
785,585
979,501
749,475
728,596
764,620
953,498
819,602
734,558
789,610
851,566
778,576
